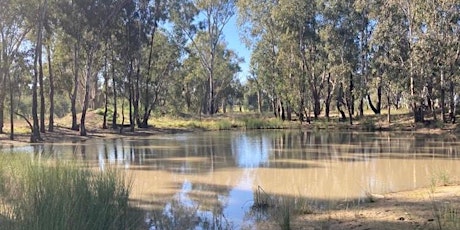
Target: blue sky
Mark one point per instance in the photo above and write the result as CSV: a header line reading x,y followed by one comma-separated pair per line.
x,y
231,36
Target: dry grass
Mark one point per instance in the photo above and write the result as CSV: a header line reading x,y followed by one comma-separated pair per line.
x,y
401,121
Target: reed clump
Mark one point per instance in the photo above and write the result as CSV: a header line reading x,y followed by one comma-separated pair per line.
x,y
52,194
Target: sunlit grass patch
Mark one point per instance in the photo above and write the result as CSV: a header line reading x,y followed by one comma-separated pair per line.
x,y
58,195
260,123
204,123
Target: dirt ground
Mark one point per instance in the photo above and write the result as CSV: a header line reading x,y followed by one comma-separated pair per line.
x,y
429,208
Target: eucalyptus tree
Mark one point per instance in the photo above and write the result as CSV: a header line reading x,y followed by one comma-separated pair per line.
x,y
226,83
71,21
365,20
389,51
262,33
19,79
106,12
338,34
301,21
162,56
211,16
439,43
146,54
13,32
263,64
159,79
226,66
409,11
38,68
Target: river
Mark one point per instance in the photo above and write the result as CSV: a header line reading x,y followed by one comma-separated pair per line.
x,y
211,179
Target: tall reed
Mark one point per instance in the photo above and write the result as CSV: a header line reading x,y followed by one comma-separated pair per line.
x,y
53,194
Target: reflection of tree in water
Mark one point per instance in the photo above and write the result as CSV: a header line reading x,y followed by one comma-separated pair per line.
x,y
350,146
195,206
193,156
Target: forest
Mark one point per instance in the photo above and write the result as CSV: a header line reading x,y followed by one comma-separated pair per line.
x,y
154,57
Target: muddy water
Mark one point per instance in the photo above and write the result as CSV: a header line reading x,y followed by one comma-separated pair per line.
x,y
213,178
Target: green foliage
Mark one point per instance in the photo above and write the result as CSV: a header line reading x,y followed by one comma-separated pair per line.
x,y
59,195
61,106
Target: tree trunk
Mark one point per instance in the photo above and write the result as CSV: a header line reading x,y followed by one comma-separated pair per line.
x,y
339,103
301,114
42,92
131,97
147,102
88,79
429,98
211,94
288,112
389,109
73,99
2,108
376,109
443,98
11,106
106,94
224,105
452,101
316,105
114,85
350,99
329,96
282,110
343,117
51,96
275,107
3,75
35,136
259,102
136,90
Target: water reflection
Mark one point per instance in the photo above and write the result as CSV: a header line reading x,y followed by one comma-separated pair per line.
x,y
212,176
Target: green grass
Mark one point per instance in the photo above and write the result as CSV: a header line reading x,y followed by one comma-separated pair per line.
x,y
57,195
221,123
258,123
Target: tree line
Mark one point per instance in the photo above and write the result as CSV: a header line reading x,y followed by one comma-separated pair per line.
x,y
62,56
162,56
312,55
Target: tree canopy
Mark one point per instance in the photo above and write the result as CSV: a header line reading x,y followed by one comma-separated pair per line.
x,y
143,58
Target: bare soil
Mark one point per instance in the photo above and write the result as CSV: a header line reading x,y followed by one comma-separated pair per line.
x,y
430,208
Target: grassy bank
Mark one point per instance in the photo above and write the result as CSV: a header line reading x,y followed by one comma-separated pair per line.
x,y
222,122
48,194
401,120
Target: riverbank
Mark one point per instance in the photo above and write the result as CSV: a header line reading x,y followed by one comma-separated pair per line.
x,y
168,125
437,207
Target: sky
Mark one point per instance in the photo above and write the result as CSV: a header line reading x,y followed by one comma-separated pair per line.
x,y
231,36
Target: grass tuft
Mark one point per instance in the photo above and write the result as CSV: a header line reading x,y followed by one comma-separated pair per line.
x,y
257,123
60,195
